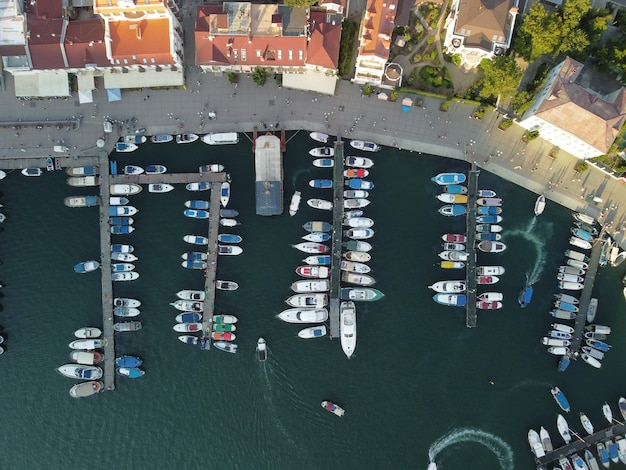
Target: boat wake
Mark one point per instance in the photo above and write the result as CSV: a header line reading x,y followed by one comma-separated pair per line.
x,y
537,240
294,178
497,446
263,370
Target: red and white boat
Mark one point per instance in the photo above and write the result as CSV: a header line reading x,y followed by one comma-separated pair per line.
x,y
487,279
223,336
355,173
311,247
313,272
454,238
491,297
488,305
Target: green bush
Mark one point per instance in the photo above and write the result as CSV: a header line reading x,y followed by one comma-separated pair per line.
x,y
532,135
368,90
415,58
444,106
505,124
581,166
259,76
232,77
393,96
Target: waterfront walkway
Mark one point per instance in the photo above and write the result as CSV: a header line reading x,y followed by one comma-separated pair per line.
x,y
472,192
337,240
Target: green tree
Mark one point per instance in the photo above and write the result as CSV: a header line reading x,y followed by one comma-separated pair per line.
x,y
300,3
537,34
502,77
259,76
232,77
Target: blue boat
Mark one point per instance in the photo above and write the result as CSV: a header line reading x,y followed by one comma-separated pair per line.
x,y
603,453
161,138
599,345
122,267
130,372
155,169
195,256
121,220
492,237
452,210
188,317
567,307
455,189
125,147
86,266
194,264
228,213
201,186
357,183
121,229
128,361
525,296
583,234
449,178
323,260
91,201
228,238
488,210
489,219
119,248
560,399
613,455
321,184
197,214
323,162
564,363
197,204
451,300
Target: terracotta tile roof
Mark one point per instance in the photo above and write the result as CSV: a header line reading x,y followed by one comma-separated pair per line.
x,y
84,44
47,9
377,28
44,43
582,113
484,22
141,42
15,50
323,47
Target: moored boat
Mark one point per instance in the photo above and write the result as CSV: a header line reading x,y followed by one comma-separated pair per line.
x,y
196,214
563,428
229,222
126,311
449,286
566,285
198,186
358,245
319,137
193,295
312,332
125,147
119,248
347,327
486,280
311,247
316,237
86,389
452,300
321,183
323,162
452,210
318,285
357,278
354,267
359,162
455,189
452,265
80,371
196,239
155,169
121,220
489,305
86,266
454,255
454,238
193,327
452,198
313,272
88,344
186,138
81,201
322,152
453,247
486,193
83,181
294,205
211,168
189,339
161,138
592,463
315,226
194,256
229,250
304,315
228,238
592,361
225,346
360,233
535,443
128,276
364,145
488,228
540,205
88,358
122,211
586,422
491,296
90,170
592,309
355,194
308,300
128,361
449,178
320,204
187,305
226,285
580,243
127,326
225,193
130,372
546,442
220,138
160,188
88,332
226,319
358,256
489,219
491,247
489,201
323,260
122,229
488,210
358,183
355,203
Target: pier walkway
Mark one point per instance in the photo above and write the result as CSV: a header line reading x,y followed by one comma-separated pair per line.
x,y
337,239
585,297
211,271
472,192
171,178
581,443
105,270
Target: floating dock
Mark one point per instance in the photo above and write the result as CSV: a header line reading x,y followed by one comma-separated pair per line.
x,y
472,192
268,165
337,240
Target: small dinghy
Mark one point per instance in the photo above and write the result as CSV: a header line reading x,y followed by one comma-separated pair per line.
x,y
196,239
455,189
322,152
189,339
225,346
312,332
453,210
160,188
88,332
212,168
333,408
540,205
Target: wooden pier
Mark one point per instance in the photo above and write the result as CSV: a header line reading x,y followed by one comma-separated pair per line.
x,y
581,443
105,269
471,276
585,297
337,240
170,178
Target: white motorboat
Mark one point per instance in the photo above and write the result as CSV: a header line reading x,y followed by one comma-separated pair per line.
x,y
592,361
319,137
126,311
133,170
226,319
87,344
122,267
454,255
126,302
491,297
83,181
355,194
124,189
188,306
123,257
128,276
308,300
118,248
88,358
80,371
320,204
490,270
318,285
359,162
295,203
358,256
122,211
546,442
586,422
540,205
563,428
313,272
359,233
357,278
562,343
450,198
225,193
608,414
364,145
88,332
449,286
312,332
563,328
316,237
220,138
535,443
211,168
229,222
591,310
225,346
577,264
194,256
186,138
355,203
449,246
559,350
322,152
580,243
226,285
229,250
118,201
125,147
584,218
160,188
304,315
347,327
261,350
32,172
571,270
491,247
566,285
354,267
196,239
360,222
569,277
311,247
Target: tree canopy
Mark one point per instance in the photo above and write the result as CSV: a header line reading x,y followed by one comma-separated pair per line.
x,y
502,78
300,3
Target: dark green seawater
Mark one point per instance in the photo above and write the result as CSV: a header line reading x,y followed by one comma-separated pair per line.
x,y
418,385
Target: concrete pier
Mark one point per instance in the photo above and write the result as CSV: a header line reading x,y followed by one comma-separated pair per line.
x,y
472,192
337,240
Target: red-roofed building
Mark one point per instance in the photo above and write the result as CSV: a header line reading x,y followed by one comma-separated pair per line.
x,y
576,119
241,36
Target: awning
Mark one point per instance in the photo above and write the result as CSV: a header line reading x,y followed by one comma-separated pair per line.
x,y
85,80
114,94
42,83
149,78
406,105
382,96
85,96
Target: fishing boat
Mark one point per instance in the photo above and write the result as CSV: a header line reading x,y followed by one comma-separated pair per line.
x,y
196,239
229,222
119,248
546,442
360,233
81,201
540,205
364,145
88,344
449,178
323,162
489,305
355,203
312,332
347,327
88,358
127,326
453,210
130,276
535,443
559,397
563,428
366,294
490,270
319,285
355,194
220,138
160,188
454,247
321,184
86,389
491,296
452,198
308,300
122,211
86,266
489,201
320,204
319,137
354,267
491,247
452,265
323,260
226,285
211,168
122,229
80,371
295,203
455,189
311,247
132,170
316,237
449,286
333,408
453,300
125,147
88,332
198,186
118,201
191,295
322,152
489,219
317,226
129,372
161,138
566,285
124,189
189,339
454,238
261,350
196,214
90,170
188,327
586,423
603,453
488,228
454,255
83,181
186,138
359,162
313,272
488,210
225,346
358,256
126,311
580,243
306,315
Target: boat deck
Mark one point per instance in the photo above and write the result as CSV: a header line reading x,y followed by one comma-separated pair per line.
x,y
585,296
212,256
107,283
171,178
580,443
337,239
470,266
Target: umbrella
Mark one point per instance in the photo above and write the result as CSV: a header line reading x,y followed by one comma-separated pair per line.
x,y
383,96
85,96
406,105
114,94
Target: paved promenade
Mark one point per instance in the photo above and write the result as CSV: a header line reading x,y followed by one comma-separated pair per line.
x,y
454,134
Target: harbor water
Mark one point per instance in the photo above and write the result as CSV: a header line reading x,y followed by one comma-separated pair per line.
x,y
420,385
